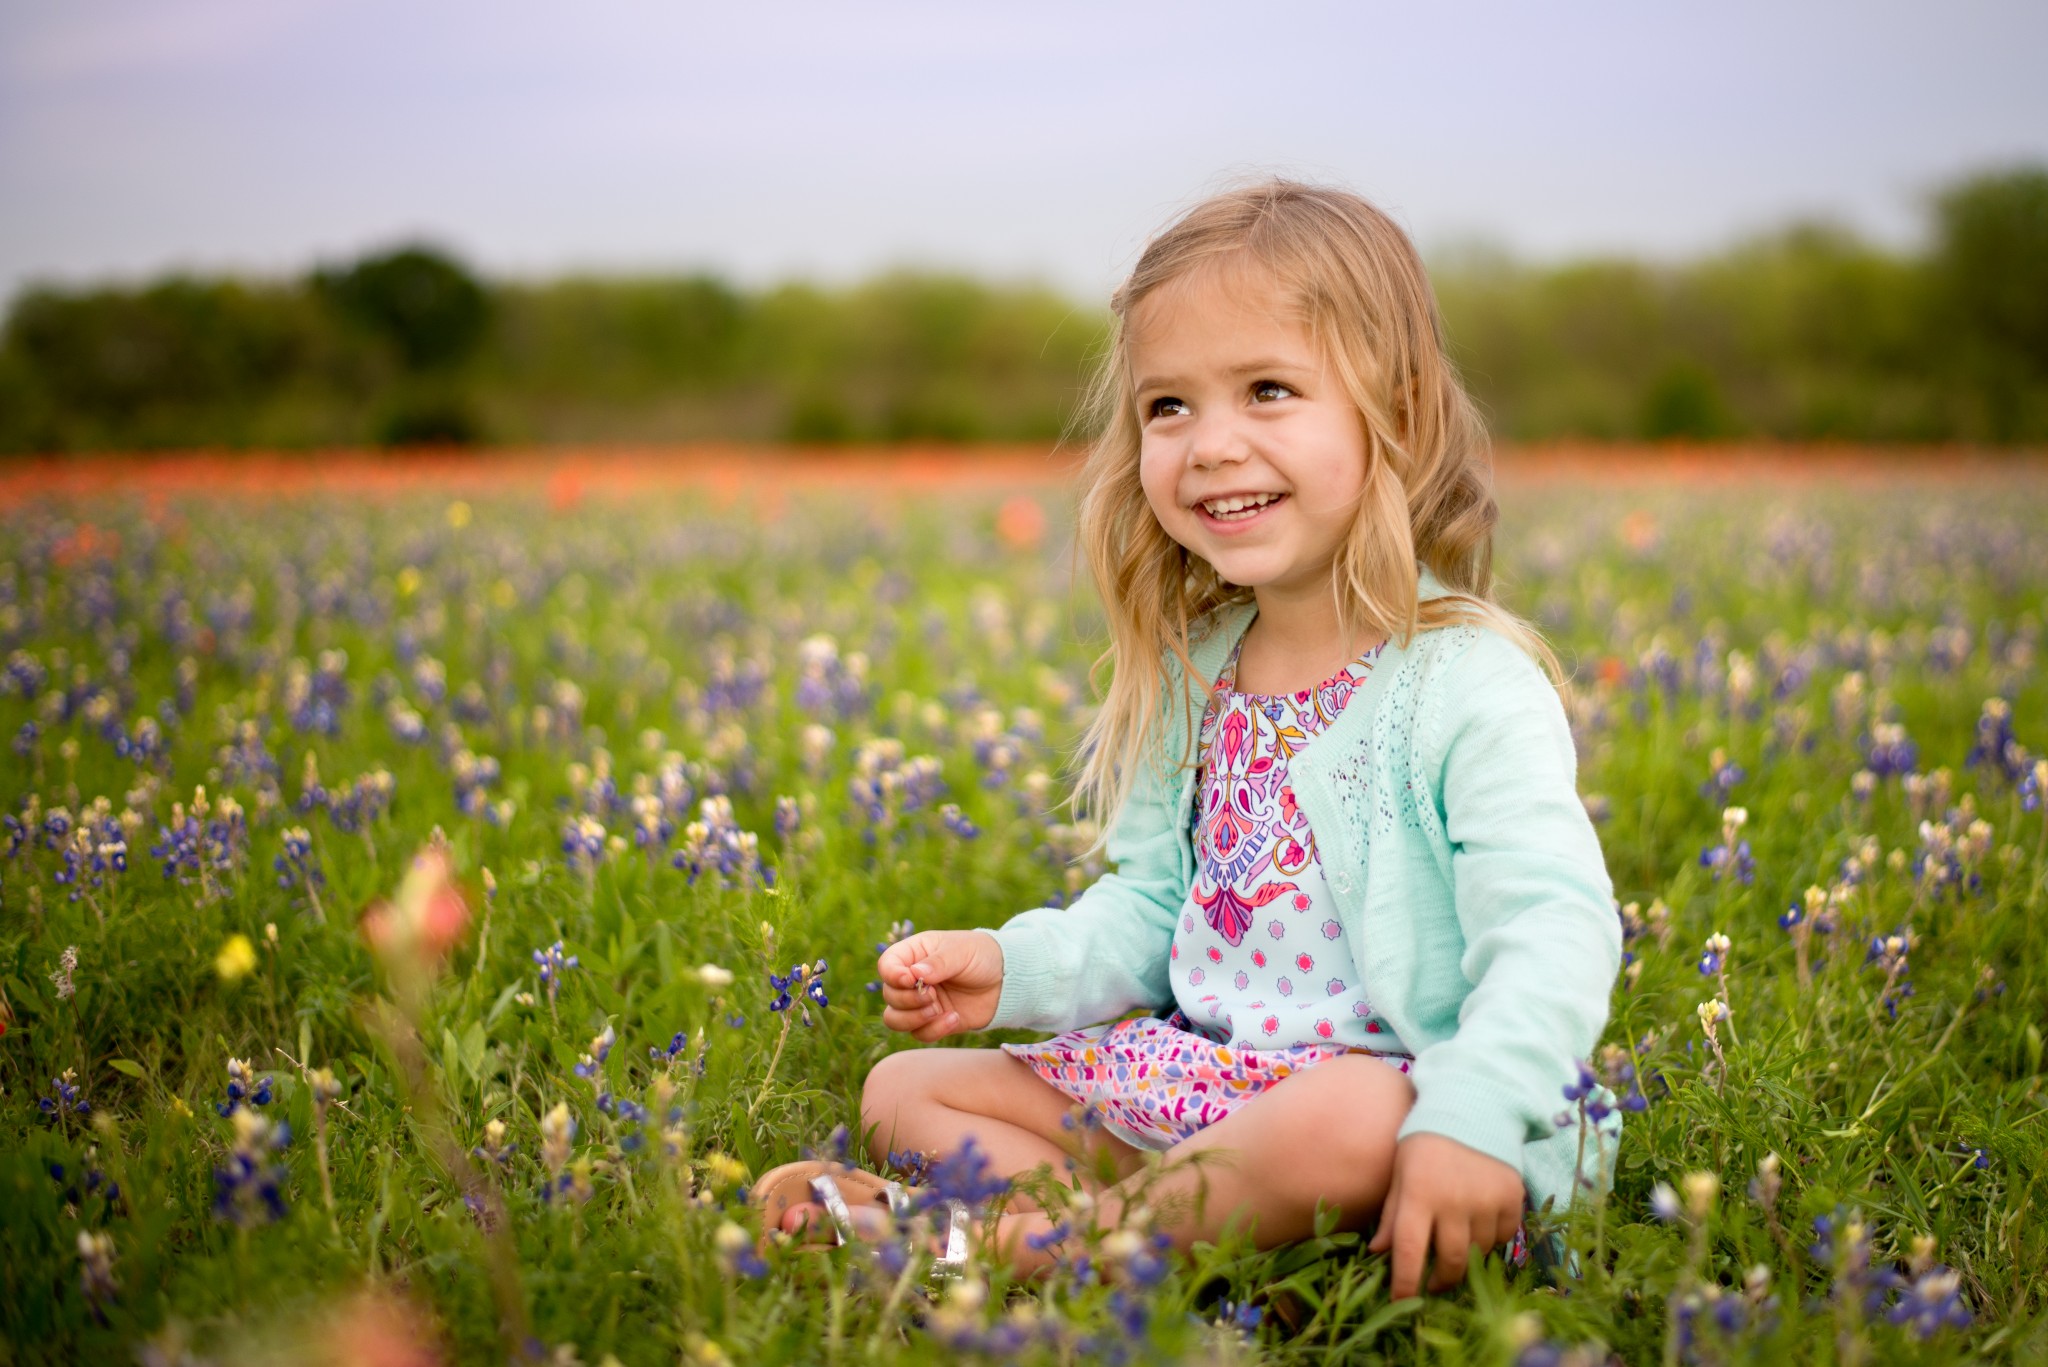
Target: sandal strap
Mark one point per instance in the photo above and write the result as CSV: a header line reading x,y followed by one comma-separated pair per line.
x,y
829,1196
953,1263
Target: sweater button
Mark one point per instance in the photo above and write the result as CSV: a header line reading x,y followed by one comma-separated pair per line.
x,y
1343,882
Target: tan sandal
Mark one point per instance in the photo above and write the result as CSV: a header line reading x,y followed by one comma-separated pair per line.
x,y
834,1186
795,1184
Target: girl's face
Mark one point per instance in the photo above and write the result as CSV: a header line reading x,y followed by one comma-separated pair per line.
x,y
1251,454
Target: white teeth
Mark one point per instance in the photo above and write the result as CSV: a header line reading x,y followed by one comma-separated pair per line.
x,y
1238,503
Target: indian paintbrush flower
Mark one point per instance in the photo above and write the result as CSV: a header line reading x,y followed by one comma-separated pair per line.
x,y
415,930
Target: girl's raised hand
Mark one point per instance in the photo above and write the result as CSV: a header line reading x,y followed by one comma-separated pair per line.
x,y
940,982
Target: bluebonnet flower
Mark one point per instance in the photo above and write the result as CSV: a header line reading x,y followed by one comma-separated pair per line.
x,y
962,1175
914,1164
203,841
365,800
736,1251
297,867
1716,956
1730,858
494,1148
65,1097
592,1063
950,816
1842,1241
583,841
250,1188
1050,1238
407,725
474,776
1891,953
1722,776
244,1087
1664,1203
315,699
2033,784
716,844
552,965
96,1268
788,817
1889,752
1976,1157
828,683
1242,1316
1618,1073
24,674
809,980
1931,1303
557,1135
673,1055
1995,745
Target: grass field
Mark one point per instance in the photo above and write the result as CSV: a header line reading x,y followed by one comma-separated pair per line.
x,y
289,1077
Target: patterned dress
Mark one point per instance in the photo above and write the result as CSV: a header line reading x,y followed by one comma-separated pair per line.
x,y
1263,978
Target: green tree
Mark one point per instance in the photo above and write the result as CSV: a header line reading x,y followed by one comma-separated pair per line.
x,y
423,303
1990,269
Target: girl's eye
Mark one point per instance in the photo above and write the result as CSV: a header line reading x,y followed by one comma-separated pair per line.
x,y
1165,407
1265,391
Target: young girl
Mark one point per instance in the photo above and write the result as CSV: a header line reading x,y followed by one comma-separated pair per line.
x,y
1353,873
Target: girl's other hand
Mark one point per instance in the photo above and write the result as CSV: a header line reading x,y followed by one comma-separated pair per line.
x,y
1450,1196
941,982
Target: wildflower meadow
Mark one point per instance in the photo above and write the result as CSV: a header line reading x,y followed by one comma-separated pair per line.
x,y
420,918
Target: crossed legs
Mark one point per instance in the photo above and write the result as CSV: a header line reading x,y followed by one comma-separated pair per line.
x,y
1324,1135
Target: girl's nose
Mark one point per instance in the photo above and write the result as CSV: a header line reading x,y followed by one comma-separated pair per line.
x,y
1215,440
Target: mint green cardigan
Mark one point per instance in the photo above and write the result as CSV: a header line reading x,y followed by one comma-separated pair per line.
x,y
1473,894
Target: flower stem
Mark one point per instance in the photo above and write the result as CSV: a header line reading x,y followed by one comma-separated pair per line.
x,y
773,1059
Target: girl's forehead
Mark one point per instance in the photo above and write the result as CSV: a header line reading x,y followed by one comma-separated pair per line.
x,y
1227,296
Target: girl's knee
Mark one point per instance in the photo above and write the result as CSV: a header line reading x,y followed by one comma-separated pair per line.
x,y
892,1081
1358,1104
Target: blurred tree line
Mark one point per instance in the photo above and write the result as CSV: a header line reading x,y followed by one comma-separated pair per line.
x,y
1809,333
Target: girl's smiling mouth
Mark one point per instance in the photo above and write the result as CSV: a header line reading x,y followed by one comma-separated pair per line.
x,y
1236,510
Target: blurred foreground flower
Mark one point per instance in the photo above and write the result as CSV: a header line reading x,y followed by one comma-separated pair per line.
x,y
236,959
416,929
250,1189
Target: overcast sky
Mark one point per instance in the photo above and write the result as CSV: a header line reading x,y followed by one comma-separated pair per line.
x,y
765,139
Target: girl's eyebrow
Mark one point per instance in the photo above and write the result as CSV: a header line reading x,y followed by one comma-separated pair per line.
x,y
1266,366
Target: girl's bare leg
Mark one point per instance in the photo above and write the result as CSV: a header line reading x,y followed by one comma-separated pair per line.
x,y
1325,1135
929,1100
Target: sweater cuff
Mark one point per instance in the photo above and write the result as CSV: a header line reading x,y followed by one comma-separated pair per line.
x,y
1029,978
1472,1114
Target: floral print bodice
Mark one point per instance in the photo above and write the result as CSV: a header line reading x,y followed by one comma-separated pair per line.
x,y
1259,958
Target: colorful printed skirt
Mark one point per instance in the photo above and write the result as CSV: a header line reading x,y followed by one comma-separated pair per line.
x,y
1155,1082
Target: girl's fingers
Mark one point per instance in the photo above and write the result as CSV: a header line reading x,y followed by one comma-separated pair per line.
x,y
914,1017
937,1030
1383,1235
1485,1233
905,998
1411,1248
1453,1242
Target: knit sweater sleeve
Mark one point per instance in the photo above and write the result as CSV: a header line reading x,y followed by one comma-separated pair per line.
x,y
1108,951
1542,944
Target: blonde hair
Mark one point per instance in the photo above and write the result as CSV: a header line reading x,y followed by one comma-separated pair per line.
x,y
1360,288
